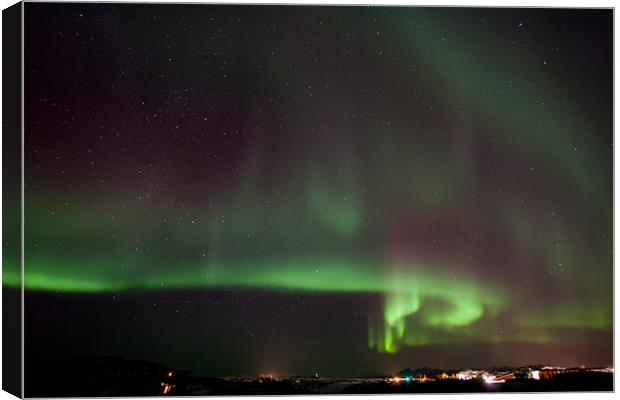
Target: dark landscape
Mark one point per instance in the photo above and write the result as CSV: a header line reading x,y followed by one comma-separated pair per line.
x,y
114,376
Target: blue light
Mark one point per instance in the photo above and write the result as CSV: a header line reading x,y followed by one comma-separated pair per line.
x,y
407,379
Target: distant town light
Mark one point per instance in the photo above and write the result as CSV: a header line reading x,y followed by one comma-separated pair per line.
x,y
492,379
167,388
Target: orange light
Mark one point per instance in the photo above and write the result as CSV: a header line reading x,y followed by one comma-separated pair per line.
x,y
170,374
167,388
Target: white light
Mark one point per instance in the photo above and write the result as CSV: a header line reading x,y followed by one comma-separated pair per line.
x,y
535,375
491,379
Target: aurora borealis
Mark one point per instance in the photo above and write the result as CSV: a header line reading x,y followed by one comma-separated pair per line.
x,y
405,185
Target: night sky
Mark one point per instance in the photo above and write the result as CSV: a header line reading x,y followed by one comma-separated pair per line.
x,y
342,190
